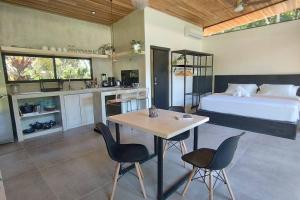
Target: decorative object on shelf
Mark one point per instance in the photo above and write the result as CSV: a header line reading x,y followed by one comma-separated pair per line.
x,y
52,49
26,108
45,48
37,126
181,73
49,108
180,60
106,49
28,131
153,113
136,46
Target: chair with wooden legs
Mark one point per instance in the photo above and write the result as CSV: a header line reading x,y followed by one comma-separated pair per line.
x,y
177,141
212,163
123,153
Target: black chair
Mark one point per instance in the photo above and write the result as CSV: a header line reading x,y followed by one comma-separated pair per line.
x,y
210,161
178,139
123,153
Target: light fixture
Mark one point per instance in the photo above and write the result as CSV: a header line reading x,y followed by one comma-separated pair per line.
x,y
239,8
113,59
93,12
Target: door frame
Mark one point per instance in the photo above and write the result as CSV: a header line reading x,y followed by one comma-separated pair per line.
x,y
153,47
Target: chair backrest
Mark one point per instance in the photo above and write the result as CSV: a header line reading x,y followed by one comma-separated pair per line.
x,y
225,153
177,109
111,145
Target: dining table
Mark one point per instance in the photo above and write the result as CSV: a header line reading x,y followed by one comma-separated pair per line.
x,y
165,126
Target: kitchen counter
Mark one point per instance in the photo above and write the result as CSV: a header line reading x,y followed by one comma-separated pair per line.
x,y
65,92
74,108
101,113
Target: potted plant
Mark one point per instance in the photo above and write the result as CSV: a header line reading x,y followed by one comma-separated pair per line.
x,y
136,46
106,49
180,60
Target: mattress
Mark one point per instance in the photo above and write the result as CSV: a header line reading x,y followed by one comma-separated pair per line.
x,y
271,108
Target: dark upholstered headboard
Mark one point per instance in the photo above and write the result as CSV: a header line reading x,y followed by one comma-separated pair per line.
x,y
221,81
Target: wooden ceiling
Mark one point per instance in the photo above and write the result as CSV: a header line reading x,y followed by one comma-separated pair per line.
x,y
253,16
205,12
82,9
200,12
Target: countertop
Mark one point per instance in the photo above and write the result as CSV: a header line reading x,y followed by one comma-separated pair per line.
x,y
104,90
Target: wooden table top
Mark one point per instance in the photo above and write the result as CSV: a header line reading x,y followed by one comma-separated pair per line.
x,y
165,125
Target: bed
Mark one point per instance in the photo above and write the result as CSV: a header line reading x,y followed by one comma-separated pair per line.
x,y
268,115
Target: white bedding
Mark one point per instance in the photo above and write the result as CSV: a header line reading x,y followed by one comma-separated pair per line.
x,y
272,108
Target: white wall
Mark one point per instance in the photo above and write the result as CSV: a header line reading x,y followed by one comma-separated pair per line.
x,y
125,30
272,49
167,31
25,27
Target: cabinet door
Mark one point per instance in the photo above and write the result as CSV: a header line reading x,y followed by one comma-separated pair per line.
x,y
72,111
87,108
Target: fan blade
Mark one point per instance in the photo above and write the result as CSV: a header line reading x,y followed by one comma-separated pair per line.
x,y
249,3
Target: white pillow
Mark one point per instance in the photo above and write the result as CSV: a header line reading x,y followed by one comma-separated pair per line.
x,y
250,88
277,90
236,90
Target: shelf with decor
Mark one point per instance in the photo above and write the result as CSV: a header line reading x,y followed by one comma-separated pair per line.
x,y
36,116
54,129
198,66
128,54
41,52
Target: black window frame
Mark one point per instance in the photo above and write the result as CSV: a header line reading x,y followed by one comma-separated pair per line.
x,y
54,68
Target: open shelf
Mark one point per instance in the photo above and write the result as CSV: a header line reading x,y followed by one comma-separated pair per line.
x,y
27,51
54,129
36,114
125,54
192,66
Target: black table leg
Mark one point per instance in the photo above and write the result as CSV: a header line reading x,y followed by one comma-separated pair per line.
x,y
196,138
160,169
155,145
117,133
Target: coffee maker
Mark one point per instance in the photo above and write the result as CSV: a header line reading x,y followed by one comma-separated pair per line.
x,y
111,81
104,80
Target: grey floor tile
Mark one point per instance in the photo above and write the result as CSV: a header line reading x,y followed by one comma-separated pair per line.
x,y
77,177
29,185
15,163
67,149
10,147
75,165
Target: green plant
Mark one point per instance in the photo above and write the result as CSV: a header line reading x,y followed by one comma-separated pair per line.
x,y
136,42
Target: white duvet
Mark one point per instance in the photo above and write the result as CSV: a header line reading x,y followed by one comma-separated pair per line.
x,y
264,107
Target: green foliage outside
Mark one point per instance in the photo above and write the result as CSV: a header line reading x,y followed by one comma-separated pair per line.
x,y
73,68
283,17
25,68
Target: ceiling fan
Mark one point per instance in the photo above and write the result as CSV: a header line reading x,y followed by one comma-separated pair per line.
x,y
241,4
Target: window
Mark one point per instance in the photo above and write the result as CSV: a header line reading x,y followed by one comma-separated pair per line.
x,y
25,68
67,68
283,17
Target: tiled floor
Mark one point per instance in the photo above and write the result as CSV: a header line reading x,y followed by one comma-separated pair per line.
x,y
75,165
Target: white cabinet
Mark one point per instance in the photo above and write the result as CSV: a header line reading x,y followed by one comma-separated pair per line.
x,y
79,110
87,108
72,111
